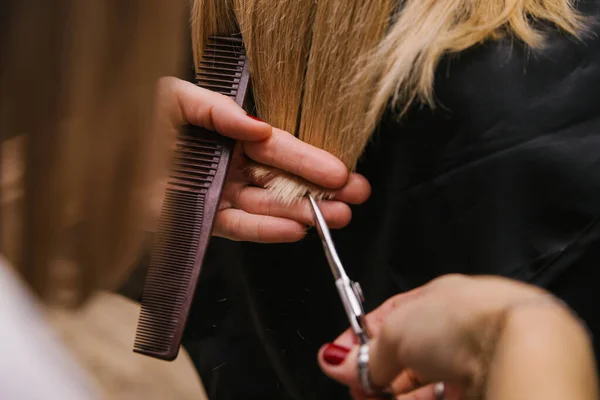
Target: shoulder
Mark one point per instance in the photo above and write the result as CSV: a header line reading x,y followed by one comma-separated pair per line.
x,y
33,361
502,80
100,336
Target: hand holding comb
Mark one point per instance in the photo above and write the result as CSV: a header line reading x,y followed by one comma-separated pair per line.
x,y
196,180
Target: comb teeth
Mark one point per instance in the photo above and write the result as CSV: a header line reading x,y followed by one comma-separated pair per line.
x,y
170,271
220,69
196,181
195,162
173,257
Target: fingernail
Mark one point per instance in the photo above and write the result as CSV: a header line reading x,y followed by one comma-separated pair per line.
x,y
334,354
255,118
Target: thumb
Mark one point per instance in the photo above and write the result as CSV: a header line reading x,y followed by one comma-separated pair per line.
x,y
186,103
341,363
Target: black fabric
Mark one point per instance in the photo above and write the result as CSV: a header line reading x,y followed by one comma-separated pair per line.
x,y
502,178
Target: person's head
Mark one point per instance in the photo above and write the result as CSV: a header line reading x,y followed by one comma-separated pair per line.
x,y
77,81
326,70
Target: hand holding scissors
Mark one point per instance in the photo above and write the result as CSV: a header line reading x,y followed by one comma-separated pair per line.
x,y
352,299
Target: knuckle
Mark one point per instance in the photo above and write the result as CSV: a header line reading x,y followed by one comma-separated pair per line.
x,y
302,164
221,223
271,148
230,227
265,205
448,280
305,213
387,336
205,116
260,230
229,102
238,226
223,102
165,83
238,196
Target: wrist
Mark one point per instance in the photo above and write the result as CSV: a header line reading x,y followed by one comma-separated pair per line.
x,y
542,351
547,322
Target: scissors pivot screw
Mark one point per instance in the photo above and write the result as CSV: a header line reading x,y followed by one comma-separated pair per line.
x,y
358,291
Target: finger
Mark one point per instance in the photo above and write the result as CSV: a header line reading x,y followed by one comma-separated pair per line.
x,y
257,201
406,382
418,393
423,393
356,191
376,318
188,103
451,392
284,151
239,225
340,364
384,364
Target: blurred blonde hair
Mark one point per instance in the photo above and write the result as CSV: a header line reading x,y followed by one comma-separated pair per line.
x,y
77,82
326,70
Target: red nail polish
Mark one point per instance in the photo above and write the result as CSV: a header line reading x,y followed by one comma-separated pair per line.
x,y
334,354
255,118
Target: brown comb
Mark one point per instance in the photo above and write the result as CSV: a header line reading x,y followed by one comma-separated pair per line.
x,y
192,196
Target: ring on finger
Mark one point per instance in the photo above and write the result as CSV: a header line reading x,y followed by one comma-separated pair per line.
x,y
364,375
439,391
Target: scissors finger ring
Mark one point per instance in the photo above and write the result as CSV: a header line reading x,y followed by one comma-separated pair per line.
x,y
364,375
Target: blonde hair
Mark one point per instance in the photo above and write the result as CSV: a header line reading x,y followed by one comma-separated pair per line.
x,y
326,71
77,81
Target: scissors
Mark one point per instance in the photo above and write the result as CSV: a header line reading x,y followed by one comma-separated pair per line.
x,y
352,299
350,292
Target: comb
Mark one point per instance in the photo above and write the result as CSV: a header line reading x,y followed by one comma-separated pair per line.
x,y
192,196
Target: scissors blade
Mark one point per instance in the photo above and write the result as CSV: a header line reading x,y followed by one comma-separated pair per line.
x,y
323,230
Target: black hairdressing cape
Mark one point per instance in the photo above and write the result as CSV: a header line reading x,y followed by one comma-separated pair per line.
x,y
503,177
